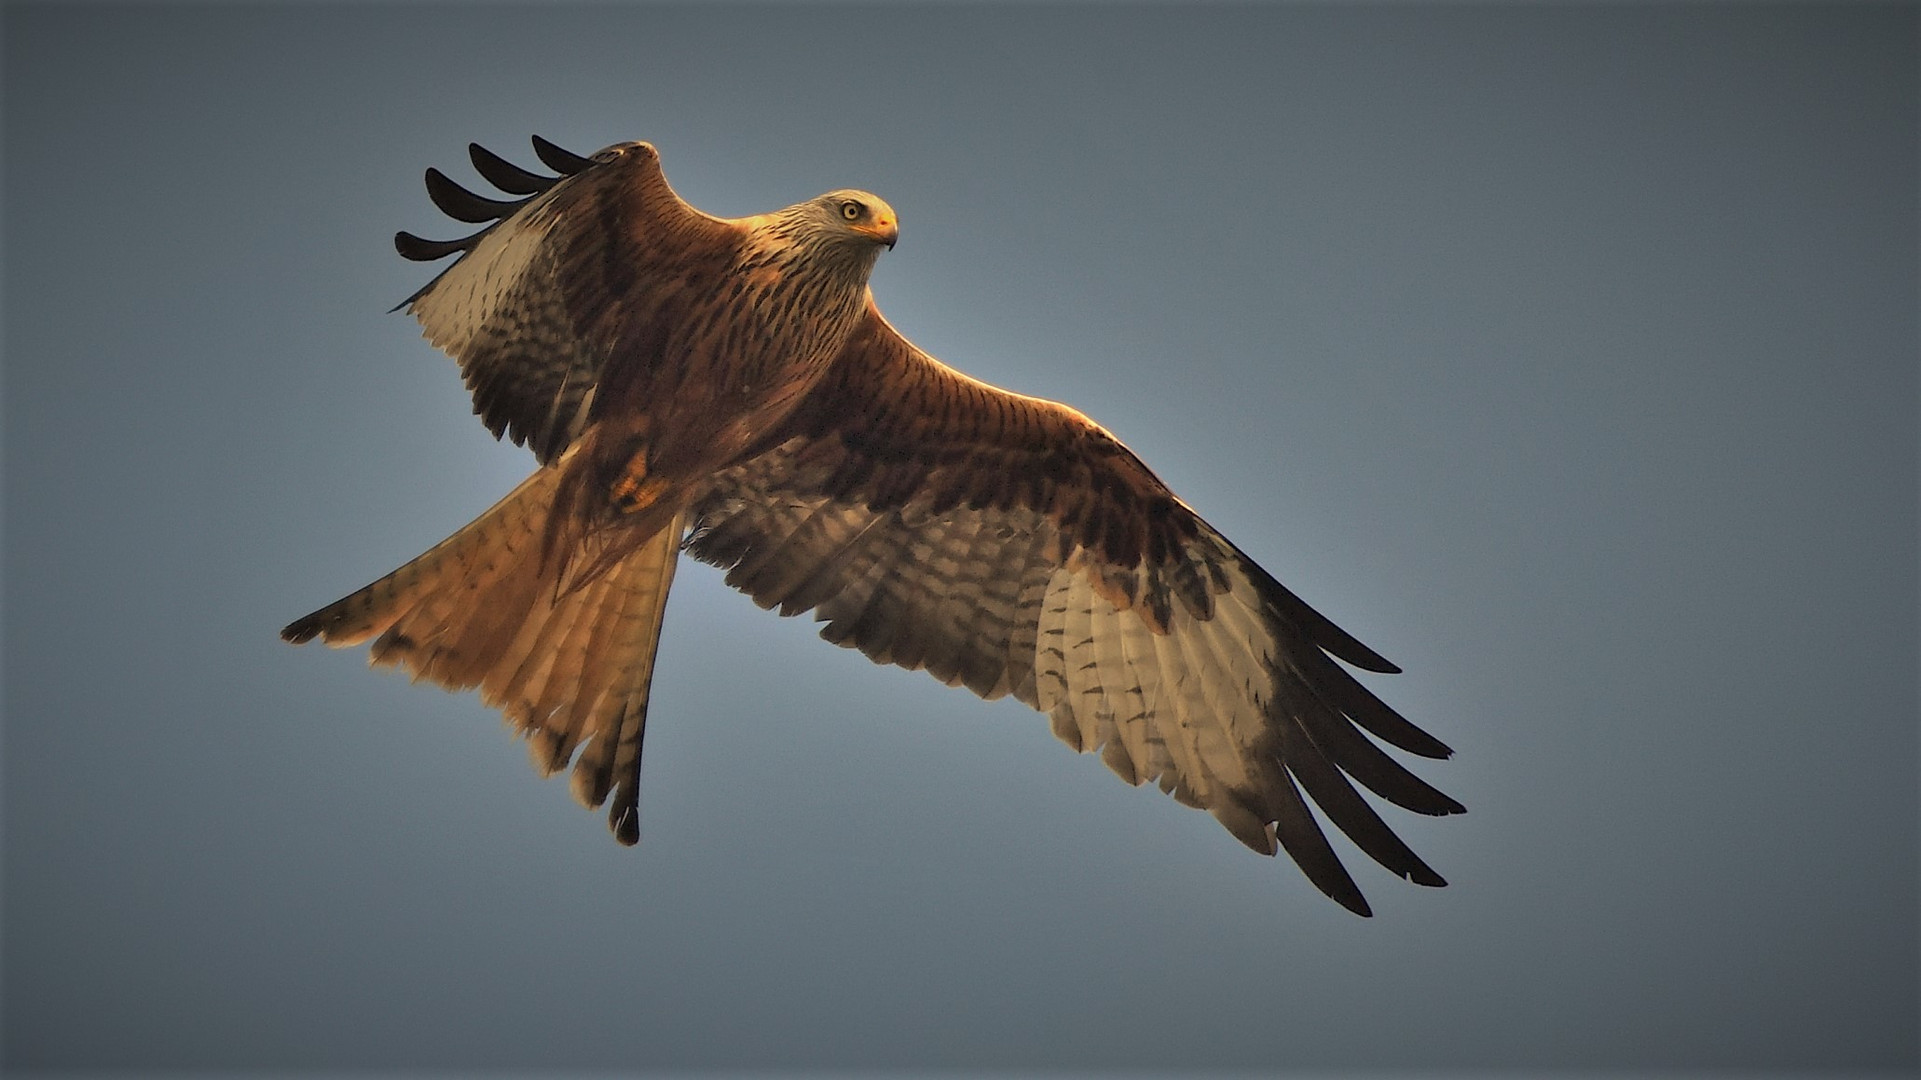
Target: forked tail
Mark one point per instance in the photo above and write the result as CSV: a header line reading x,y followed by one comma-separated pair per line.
x,y
567,666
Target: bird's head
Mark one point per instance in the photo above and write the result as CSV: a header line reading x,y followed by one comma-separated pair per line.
x,y
857,215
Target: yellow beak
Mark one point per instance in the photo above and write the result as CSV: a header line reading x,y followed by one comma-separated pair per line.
x,y
883,229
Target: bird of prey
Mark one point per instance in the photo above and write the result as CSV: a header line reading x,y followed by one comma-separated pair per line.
x,y
727,387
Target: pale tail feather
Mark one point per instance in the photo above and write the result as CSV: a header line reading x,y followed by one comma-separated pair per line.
x,y
567,666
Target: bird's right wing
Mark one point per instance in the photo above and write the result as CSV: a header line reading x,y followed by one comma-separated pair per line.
x,y
561,282
1012,546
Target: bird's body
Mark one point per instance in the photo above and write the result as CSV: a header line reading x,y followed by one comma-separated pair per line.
x,y
731,383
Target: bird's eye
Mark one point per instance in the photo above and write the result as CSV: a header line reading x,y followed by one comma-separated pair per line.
x,y
851,210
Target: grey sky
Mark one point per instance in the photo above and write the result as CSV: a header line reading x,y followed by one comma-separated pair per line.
x,y
1567,356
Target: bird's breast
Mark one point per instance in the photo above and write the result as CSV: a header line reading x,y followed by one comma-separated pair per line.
x,y
739,365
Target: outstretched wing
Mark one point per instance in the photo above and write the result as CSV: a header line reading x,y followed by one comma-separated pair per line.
x,y
537,306
1010,545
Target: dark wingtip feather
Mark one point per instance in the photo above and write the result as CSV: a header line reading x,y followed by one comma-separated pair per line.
x,y
1303,841
301,631
463,205
565,162
1318,627
1346,894
506,175
1347,810
415,249
1396,730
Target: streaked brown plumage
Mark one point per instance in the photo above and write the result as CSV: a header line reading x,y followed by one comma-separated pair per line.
x,y
730,385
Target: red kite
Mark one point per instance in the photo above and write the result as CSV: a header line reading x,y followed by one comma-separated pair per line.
x,y
728,387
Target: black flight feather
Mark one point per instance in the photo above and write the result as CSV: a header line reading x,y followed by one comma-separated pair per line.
x,y
506,175
463,205
564,162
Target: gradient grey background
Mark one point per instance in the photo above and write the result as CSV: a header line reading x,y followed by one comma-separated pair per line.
x,y
1567,356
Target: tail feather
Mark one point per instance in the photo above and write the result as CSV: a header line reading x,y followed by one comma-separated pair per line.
x,y
566,663
422,590
611,764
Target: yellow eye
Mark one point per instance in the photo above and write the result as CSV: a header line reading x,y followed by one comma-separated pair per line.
x,y
851,210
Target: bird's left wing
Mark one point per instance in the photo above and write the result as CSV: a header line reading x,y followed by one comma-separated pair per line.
x,y
575,275
1011,545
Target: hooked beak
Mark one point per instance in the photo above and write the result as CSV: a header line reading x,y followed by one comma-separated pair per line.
x,y
884,230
